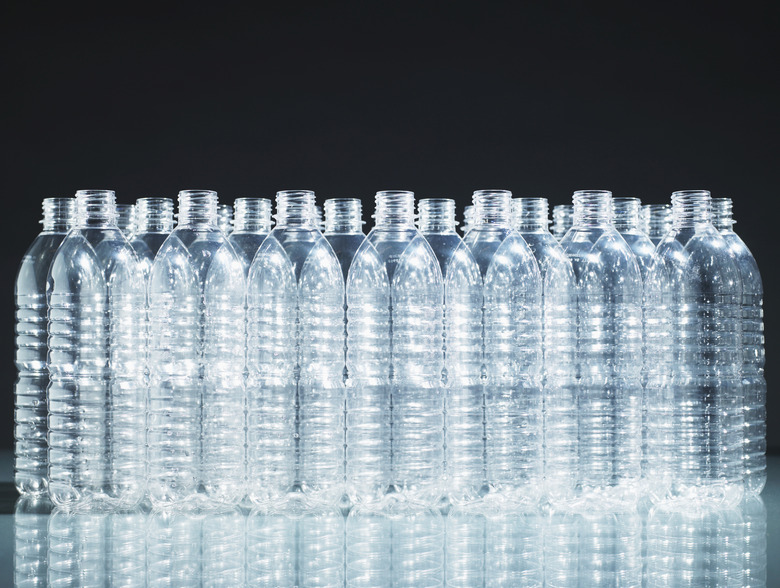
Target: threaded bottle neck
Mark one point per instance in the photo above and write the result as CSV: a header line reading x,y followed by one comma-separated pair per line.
x,y
198,207
592,208
253,215
437,215
563,219
125,217
493,207
395,208
468,217
691,208
295,208
225,217
154,215
658,219
344,216
722,213
627,213
95,208
59,214
531,214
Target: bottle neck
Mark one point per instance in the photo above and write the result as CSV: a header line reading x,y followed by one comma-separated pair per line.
x,y
531,214
225,217
627,213
343,216
295,208
198,208
722,216
154,215
493,208
437,215
691,208
95,209
59,214
125,217
658,219
592,208
253,215
395,208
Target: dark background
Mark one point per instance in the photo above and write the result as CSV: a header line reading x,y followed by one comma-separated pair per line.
x,y
440,98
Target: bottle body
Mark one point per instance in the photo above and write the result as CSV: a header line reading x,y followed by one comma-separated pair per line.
x,y
30,412
96,394
609,351
693,393
195,423
296,388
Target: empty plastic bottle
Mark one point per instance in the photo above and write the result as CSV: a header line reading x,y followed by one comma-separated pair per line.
x,y
609,351
30,462
318,218
462,378
296,390
344,229
96,393
694,393
563,217
195,426
559,344
125,219
395,420
251,227
468,218
627,221
753,382
511,348
658,221
225,218
153,224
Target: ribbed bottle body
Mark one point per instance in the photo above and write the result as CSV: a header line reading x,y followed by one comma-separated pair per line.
x,y
693,393
609,352
559,344
30,411
96,394
195,423
511,348
296,388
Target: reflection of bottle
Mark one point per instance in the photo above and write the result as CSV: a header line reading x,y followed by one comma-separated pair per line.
x,y
395,544
754,550
31,339
31,528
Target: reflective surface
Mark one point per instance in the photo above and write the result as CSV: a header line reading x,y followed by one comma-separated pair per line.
x,y
394,546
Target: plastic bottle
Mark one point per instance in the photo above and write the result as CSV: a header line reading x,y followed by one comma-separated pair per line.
x,y
225,218
462,378
559,345
511,347
125,219
344,229
563,217
251,227
627,221
395,419
659,221
468,218
296,390
753,382
30,414
609,351
195,425
693,393
153,224
96,393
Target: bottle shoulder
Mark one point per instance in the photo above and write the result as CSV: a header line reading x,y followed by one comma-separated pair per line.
x,y
34,269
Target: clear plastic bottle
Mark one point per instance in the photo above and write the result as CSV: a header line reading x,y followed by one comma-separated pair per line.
x,y
125,219
251,227
563,218
609,351
627,220
658,220
195,425
468,218
559,344
462,378
153,224
30,413
344,229
395,408
225,218
96,393
318,218
694,393
753,382
511,347
296,390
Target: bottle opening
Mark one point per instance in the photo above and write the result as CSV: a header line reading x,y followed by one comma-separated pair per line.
x,y
395,207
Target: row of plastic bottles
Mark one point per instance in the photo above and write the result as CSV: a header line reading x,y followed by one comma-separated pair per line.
x,y
293,545
196,366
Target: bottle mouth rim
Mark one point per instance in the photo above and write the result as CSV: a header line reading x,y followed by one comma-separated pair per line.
x,y
684,193
197,193
291,193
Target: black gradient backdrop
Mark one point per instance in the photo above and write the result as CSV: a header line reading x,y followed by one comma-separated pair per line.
x,y
440,98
